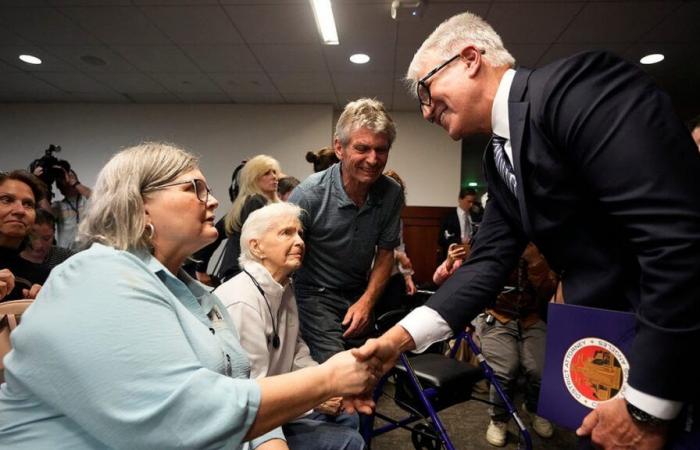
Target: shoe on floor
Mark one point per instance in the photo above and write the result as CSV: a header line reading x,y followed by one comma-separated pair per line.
x,y
542,426
496,433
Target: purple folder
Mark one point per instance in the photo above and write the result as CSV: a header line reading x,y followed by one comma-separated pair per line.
x,y
585,361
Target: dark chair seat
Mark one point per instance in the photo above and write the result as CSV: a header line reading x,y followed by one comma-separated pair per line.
x,y
451,381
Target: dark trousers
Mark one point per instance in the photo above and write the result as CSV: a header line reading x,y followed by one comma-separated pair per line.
x,y
321,313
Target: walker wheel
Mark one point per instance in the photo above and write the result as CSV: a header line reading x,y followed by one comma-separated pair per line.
x,y
424,438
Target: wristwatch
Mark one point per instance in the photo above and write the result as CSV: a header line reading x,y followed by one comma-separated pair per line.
x,y
644,418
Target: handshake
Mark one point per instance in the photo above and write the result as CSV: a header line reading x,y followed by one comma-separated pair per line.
x,y
356,372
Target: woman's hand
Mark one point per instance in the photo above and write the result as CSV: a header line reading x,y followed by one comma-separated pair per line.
x,y
7,282
32,292
348,376
410,285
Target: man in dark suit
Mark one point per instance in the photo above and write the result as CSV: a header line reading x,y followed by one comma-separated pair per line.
x,y
458,225
588,161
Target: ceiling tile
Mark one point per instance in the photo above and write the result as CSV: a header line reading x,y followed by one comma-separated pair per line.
x,y
27,86
5,67
187,83
72,55
99,97
290,58
204,97
368,82
73,82
45,26
275,24
157,58
527,55
118,25
194,24
531,22
130,83
149,97
364,23
244,83
176,2
416,31
615,22
8,37
89,2
222,58
680,26
559,51
257,98
302,82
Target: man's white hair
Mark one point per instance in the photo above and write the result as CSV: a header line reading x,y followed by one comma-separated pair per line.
x,y
451,36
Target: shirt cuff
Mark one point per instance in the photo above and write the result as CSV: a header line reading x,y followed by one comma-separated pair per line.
x,y
426,327
655,406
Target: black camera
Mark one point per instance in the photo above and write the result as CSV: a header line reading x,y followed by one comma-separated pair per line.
x,y
53,168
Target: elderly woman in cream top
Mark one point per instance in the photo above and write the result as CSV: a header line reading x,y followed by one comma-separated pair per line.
x,y
261,302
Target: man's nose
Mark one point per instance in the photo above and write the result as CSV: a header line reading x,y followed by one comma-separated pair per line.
x,y
427,111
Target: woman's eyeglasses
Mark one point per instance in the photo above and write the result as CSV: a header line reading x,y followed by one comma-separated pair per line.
x,y
201,188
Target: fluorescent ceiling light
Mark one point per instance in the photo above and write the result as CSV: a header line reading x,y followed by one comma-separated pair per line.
x,y
359,58
29,59
472,184
325,21
652,59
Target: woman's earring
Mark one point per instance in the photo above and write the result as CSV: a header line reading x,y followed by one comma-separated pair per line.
x,y
151,231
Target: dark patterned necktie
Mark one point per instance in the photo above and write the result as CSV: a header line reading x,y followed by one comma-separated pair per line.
x,y
503,165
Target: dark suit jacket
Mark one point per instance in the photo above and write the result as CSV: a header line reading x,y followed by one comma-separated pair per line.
x,y
609,191
450,232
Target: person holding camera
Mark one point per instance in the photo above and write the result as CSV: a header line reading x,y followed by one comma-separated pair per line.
x,y
71,207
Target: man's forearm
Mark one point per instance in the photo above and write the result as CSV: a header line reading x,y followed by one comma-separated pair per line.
x,y
378,277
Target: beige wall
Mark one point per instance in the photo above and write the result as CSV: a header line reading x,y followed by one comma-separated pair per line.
x,y
222,135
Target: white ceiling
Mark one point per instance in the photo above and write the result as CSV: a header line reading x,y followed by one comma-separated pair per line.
x,y
268,51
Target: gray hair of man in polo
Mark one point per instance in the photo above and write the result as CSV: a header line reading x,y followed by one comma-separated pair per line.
x,y
364,113
451,36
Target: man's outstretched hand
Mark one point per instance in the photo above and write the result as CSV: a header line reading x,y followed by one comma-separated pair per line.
x,y
611,427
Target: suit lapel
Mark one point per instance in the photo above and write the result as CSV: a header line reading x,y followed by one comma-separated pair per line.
x,y
518,115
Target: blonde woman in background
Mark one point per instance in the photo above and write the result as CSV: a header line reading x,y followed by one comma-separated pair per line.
x,y
259,178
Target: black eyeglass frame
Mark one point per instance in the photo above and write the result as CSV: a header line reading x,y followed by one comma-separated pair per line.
x,y
422,84
194,185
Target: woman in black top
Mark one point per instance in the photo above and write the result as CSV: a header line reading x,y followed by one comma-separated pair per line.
x,y
258,187
19,194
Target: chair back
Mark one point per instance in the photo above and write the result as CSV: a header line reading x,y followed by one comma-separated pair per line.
x,y
10,312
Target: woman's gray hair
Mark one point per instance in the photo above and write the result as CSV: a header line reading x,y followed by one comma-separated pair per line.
x,y
260,222
115,214
364,113
451,36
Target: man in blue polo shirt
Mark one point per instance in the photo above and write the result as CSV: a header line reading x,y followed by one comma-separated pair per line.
x,y
351,217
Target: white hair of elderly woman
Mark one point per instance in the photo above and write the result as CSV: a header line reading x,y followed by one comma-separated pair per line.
x,y
262,220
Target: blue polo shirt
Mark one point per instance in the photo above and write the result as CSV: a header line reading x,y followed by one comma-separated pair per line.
x,y
117,352
340,237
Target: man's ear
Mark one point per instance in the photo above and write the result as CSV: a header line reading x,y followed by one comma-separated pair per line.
x,y
471,57
338,148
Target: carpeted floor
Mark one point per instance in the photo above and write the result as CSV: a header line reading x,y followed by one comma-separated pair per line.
x,y
466,426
